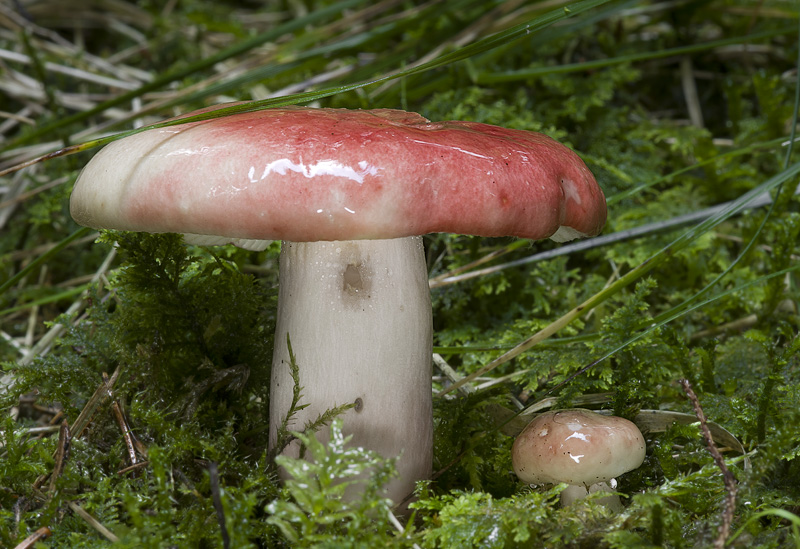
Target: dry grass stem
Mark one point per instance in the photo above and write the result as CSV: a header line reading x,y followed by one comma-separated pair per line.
x,y
44,343
451,374
690,92
93,522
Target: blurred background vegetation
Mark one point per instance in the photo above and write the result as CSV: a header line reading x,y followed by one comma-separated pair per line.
x,y
677,106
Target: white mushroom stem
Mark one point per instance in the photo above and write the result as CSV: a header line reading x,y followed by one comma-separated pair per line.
x,y
358,316
573,493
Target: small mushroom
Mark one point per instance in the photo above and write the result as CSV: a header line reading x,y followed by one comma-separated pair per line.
x,y
584,449
349,193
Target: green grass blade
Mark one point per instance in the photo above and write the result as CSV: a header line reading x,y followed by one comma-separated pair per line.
x,y
659,258
523,74
83,231
176,74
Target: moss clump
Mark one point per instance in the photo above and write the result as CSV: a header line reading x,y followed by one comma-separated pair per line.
x,y
190,336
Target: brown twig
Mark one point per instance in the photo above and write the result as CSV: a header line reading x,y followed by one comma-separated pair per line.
x,y
98,398
121,422
727,476
62,453
60,457
39,535
140,465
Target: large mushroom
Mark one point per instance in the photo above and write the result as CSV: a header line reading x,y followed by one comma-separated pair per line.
x,y
349,193
584,449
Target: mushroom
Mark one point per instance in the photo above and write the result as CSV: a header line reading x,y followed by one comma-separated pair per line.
x,y
584,449
349,193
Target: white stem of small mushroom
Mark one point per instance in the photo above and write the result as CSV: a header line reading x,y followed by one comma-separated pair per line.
x,y
573,493
358,315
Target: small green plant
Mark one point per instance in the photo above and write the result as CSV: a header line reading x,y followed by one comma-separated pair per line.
x,y
333,498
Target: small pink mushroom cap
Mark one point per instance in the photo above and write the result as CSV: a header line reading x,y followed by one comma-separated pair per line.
x,y
305,174
578,447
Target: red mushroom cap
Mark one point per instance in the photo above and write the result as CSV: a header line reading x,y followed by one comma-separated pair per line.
x,y
577,447
305,174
